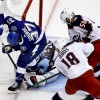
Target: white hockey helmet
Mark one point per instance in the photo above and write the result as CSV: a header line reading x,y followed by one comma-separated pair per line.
x,y
60,43
66,15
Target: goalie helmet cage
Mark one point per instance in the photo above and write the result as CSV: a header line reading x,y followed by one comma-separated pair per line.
x,y
7,70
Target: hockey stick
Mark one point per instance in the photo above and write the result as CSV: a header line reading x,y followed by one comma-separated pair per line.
x,y
9,55
37,83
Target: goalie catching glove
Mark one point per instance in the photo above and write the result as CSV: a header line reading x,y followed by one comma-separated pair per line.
x,y
6,49
36,78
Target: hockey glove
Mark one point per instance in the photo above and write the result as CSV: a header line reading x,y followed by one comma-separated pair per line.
x,y
6,49
77,38
36,78
86,39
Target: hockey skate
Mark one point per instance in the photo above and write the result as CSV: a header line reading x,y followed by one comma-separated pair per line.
x,y
56,97
14,88
88,97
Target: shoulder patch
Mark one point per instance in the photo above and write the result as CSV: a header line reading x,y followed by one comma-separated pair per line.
x,y
13,28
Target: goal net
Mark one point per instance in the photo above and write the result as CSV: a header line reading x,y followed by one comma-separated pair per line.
x,y
30,10
17,9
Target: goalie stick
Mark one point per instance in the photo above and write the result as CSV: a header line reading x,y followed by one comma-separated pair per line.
x,y
37,83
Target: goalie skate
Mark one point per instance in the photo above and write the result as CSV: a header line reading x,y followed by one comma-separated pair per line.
x,y
88,97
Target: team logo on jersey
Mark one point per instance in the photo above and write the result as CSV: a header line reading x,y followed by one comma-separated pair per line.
x,y
22,41
23,48
14,28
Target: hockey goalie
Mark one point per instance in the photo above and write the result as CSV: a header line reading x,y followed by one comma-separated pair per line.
x,y
50,52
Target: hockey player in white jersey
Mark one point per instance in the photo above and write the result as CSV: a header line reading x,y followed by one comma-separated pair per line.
x,y
83,29
73,63
50,52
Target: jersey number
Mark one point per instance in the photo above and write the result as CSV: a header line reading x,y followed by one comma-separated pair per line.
x,y
10,21
70,57
34,34
83,23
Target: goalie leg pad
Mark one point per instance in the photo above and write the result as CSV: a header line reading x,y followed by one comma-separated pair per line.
x,y
36,78
51,73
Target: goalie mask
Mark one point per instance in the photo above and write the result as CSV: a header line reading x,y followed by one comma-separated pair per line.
x,y
66,15
48,50
13,38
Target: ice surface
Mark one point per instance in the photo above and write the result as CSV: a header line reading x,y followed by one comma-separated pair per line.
x,y
55,28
